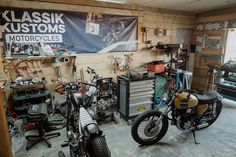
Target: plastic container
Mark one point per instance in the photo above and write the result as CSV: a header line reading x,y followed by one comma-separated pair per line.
x,y
156,67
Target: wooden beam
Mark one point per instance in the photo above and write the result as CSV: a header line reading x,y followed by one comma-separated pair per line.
x,y
90,6
5,143
94,3
225,11
68,7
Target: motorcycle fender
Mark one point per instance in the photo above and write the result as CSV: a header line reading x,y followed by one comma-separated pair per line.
x,y
93,129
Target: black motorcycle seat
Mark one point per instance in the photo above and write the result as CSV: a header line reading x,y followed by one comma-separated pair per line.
x,y
207,97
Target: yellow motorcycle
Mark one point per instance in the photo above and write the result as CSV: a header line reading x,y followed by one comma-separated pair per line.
x,y
187,110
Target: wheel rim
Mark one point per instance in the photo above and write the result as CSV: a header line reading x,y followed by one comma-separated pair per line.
x,y
149,129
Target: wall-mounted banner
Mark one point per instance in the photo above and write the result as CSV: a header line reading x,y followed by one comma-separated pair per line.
x,y
76,31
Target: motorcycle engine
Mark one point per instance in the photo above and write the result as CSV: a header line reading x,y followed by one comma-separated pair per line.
x,y
186,118
185,110
100,109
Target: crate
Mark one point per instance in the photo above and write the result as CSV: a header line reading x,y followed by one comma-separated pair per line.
x,y
156,67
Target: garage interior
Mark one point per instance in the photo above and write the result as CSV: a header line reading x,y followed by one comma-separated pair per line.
x,y
78,78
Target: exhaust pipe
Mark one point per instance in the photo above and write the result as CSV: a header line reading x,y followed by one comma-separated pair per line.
x,y
202,125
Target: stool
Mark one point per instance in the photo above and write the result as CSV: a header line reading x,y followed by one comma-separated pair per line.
x,y
37,114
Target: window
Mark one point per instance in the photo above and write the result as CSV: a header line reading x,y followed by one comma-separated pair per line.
x,y
230,53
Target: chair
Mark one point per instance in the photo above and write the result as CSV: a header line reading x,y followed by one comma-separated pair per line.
x,y
38,114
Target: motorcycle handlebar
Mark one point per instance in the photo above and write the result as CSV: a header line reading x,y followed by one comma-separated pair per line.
x,y
89,84
75,85
90,70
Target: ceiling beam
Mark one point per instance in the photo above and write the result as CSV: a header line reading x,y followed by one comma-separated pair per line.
x,y
96,4
217,12
129,6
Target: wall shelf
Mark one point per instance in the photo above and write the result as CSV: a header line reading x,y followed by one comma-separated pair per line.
x,y
37,57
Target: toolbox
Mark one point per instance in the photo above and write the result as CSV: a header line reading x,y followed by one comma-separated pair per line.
x,y
157,67
135,95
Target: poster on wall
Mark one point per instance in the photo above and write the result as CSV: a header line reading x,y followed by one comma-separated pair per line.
x,y
77,32
213,42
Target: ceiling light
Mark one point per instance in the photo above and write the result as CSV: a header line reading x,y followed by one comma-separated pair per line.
x,y
113,1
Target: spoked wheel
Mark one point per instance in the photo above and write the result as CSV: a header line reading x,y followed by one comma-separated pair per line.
x,y
211,115
149,128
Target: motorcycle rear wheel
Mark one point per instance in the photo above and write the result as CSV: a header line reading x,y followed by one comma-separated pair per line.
x,y
217,106
97,147
150,133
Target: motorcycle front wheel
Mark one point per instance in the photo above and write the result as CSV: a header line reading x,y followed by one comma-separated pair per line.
x,y
97,147
148,128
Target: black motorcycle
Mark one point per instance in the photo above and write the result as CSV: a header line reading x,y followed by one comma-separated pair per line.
x,y
85,139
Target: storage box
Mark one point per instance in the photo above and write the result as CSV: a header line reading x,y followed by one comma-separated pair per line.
x,y
156,67
134,96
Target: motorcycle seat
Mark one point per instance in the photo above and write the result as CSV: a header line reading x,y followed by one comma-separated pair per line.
x,y
207,97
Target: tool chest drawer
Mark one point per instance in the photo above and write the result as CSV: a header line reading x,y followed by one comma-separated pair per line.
x,y
135,95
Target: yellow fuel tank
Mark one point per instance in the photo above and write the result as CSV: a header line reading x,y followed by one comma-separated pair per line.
x,y
182,102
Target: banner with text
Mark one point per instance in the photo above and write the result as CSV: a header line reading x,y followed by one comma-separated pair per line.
x,y
75,31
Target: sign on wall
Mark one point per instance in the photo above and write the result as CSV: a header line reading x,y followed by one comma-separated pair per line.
x,y
76,31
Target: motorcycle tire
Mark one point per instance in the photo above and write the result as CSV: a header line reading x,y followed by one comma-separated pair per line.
x,y
72,151
97,147
218,111
161,130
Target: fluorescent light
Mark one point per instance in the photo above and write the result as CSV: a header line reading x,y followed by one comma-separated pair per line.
x,y
113,1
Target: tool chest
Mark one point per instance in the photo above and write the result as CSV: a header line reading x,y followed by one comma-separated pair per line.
x,y
135,95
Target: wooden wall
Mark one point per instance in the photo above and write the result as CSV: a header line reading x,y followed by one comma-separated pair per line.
x,y
148,17
200,67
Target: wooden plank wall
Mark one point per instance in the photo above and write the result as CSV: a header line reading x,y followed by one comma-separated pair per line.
x,y
200,67
148,17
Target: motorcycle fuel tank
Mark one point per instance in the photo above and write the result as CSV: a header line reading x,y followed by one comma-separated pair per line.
x,y
183,102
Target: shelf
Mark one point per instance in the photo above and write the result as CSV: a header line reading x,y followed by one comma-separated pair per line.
x,y
29,96
36,57
41,85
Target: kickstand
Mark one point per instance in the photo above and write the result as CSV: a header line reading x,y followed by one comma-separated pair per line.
x,y
194,137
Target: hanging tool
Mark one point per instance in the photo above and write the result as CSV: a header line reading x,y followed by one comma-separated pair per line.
x,y
16,68
36,68
39,66
58,70
74,69
30,68
24,68
82,74
7,69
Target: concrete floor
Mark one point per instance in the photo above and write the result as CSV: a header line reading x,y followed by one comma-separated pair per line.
x,y
216,141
